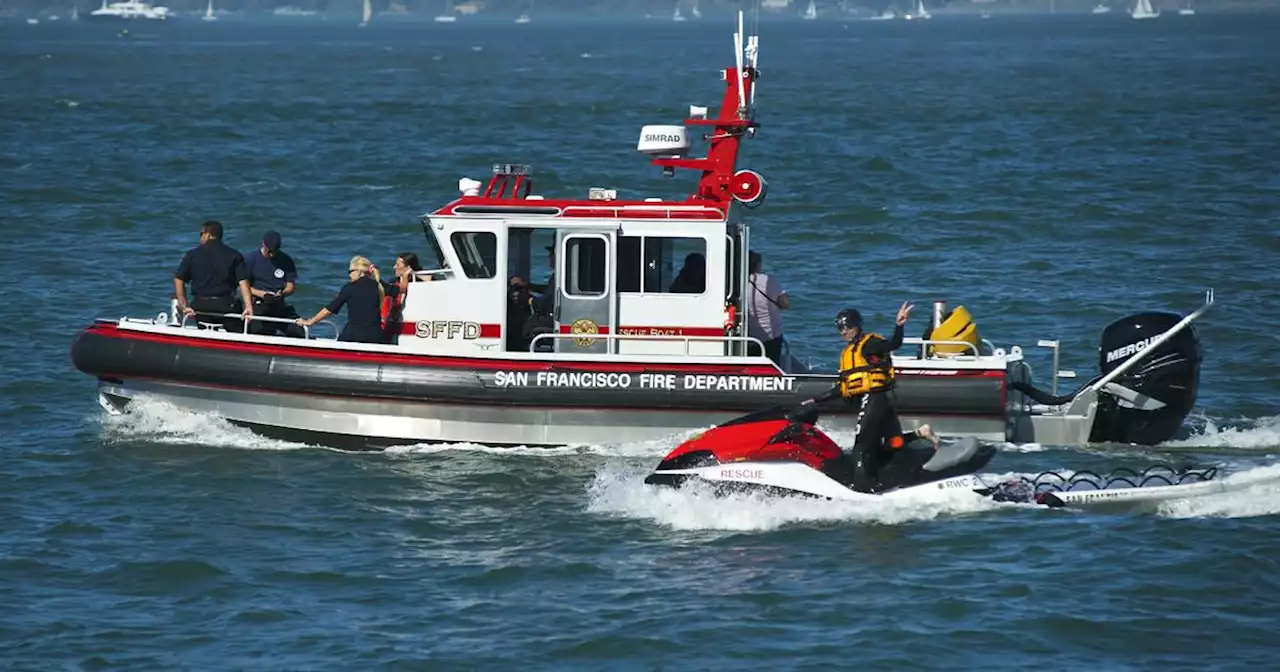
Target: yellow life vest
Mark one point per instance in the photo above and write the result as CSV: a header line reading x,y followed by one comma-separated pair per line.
x,y
857,376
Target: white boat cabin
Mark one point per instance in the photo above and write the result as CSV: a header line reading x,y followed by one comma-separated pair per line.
x,y
611,276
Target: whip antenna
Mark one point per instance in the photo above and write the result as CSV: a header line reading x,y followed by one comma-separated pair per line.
x,y
738,49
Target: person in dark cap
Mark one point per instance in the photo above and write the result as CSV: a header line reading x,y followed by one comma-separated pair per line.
x,y
215,271
272,277
865,380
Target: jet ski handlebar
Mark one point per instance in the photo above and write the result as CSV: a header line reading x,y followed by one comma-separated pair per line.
x,y
806,413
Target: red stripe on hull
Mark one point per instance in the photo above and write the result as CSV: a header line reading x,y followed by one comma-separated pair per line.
x,y
442,361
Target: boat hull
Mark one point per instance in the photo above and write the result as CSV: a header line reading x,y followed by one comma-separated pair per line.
x,y
127,20
352,399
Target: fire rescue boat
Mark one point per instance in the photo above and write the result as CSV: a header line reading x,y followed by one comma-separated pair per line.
x,y
635,347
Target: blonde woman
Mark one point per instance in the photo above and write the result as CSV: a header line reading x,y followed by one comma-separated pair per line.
x,y
362,296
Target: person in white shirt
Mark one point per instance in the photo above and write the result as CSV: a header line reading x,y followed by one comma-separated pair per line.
x,y
767,302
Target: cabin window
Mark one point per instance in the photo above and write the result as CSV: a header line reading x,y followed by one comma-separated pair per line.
x,y
662,265
629,264
586,262
478,253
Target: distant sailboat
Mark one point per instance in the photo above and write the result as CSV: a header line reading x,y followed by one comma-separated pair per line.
x,y
697,13
366,14
810,12
921,13
208,13
448,16
677,16
524,16
1189,10
1143,10
1101,9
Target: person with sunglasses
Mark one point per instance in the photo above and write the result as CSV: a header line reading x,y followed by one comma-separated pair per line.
x,y
362,296
866,380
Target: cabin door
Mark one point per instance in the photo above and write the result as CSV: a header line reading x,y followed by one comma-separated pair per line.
x,y
585,293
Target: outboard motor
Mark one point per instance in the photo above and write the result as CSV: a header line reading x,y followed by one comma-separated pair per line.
x,y
1170,375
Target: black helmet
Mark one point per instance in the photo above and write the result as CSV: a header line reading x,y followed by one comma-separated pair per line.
x,y
849,318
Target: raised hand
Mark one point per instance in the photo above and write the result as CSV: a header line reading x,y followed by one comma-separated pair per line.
x,y
904,312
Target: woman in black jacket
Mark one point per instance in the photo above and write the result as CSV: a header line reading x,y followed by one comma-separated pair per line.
x,y
363,298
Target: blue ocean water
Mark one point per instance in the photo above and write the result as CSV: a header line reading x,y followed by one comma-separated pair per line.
x,y
1051,174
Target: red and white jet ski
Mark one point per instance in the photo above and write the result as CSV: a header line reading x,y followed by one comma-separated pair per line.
x,y
766,451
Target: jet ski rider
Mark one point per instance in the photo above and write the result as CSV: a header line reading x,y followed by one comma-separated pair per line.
x,y
866,379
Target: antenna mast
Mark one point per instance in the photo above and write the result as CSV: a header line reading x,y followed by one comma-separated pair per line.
x,y
735,120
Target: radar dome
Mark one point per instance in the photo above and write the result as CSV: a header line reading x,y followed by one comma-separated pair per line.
x,y
663,141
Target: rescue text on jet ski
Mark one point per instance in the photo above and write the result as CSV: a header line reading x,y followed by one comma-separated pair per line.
x,y
773,453
618,354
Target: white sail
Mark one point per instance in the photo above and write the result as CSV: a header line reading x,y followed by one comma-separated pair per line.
x,y
367,13
810,12
1143,10
208,13
920,12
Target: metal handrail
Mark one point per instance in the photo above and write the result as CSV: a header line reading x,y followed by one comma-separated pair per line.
x,y
306,332
926,341
687,340
181,321
618,211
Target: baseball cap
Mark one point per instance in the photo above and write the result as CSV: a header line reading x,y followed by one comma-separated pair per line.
x,y
272,240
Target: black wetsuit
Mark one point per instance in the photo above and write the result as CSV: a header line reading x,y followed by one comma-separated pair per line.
x,y
877,423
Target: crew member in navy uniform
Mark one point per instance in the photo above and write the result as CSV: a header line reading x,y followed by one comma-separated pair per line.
x,y
866,379
215,271
272,277
363,298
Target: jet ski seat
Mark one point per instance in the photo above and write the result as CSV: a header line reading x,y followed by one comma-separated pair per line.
x,y
952,454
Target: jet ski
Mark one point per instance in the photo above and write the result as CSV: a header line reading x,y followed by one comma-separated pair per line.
x,y
777,453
